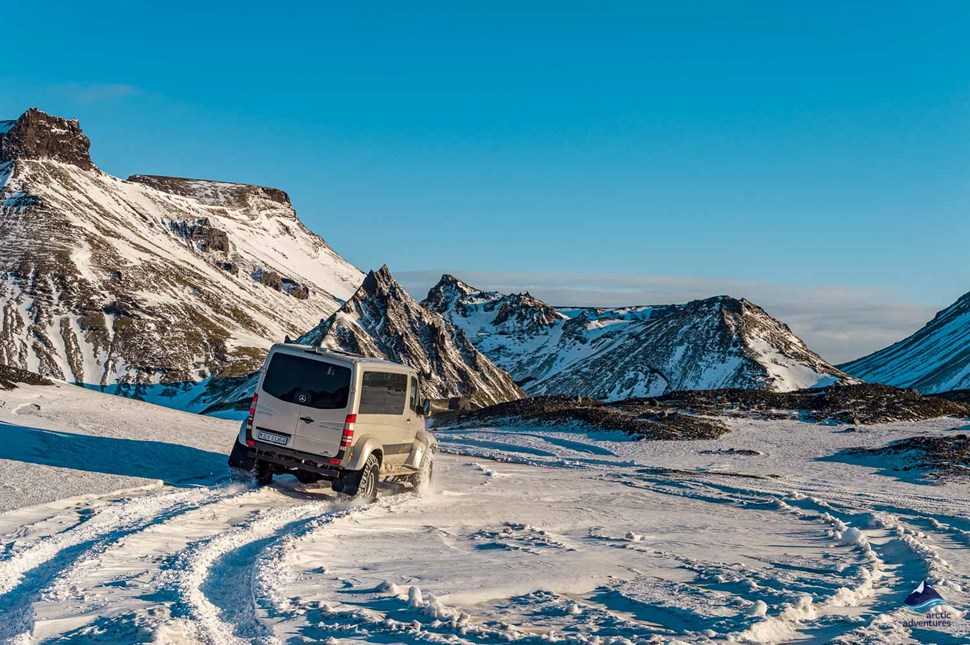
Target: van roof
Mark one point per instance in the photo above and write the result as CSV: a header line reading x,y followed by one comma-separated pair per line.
x,y
340,356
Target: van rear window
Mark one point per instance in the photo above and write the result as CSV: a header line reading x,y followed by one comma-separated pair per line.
x,y
304,381
383,393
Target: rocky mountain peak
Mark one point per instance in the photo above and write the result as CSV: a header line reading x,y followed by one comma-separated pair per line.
x,y
134,288
448,291
380,282
382,320
38,135
526,309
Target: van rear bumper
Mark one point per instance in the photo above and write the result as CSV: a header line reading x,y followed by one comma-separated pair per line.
x,y
289,458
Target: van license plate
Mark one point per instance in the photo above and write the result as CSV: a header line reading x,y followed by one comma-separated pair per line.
x,y
279,440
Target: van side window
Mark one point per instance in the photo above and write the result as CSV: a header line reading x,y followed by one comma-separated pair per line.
x,y
383,393
414,400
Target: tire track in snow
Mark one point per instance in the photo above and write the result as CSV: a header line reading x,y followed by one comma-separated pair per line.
x,y
208,564
805,610
273,570
29,571
897,554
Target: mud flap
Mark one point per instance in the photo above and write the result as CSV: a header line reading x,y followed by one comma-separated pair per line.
x,y
348,483
240,458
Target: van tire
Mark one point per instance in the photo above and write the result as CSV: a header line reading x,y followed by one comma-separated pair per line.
x,y
362,484
421,480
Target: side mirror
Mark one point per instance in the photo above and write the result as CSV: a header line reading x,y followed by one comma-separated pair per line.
x,y
426,407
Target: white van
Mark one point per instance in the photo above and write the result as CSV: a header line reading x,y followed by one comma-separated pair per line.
x,y
328,415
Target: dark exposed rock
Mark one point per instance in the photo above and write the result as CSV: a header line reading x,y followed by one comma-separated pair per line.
x,y
526,310
274,280
693,414
203,235
863,404
960,396
295,289
123,307
638,419
11,376
271,279
38,135
940,456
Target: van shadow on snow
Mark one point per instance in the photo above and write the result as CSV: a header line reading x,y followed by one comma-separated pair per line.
x,y
174,464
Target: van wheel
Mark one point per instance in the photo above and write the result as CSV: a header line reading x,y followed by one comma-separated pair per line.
x,y
422,479
366,481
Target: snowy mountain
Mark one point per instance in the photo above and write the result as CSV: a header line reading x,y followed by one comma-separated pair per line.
x,y
150,286
633,351
518,332
934,359
383,320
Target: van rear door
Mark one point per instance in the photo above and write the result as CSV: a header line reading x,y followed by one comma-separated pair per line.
x,y
325,399
309,396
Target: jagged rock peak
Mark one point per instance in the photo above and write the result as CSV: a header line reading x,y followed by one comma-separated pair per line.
x,y
214,193
382,320
38,135
378,281
450,290
449,281
526,308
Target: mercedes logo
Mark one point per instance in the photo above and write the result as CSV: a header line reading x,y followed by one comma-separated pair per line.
x,y
301,398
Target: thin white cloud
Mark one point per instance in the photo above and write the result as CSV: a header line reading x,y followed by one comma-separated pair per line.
x,y
840,323
98,92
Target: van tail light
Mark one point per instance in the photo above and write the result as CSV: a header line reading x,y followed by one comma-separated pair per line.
x,y
252,415
348,436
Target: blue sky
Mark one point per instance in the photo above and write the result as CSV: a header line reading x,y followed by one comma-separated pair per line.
x,y
657,151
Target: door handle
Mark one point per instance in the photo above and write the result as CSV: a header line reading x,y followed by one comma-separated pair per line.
x,y
306,419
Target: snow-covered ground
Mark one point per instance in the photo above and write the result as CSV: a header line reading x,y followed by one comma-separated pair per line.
x,y
121,525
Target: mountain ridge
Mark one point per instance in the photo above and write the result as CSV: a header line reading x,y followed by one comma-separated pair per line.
x,y
934,359
140,291
600,352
